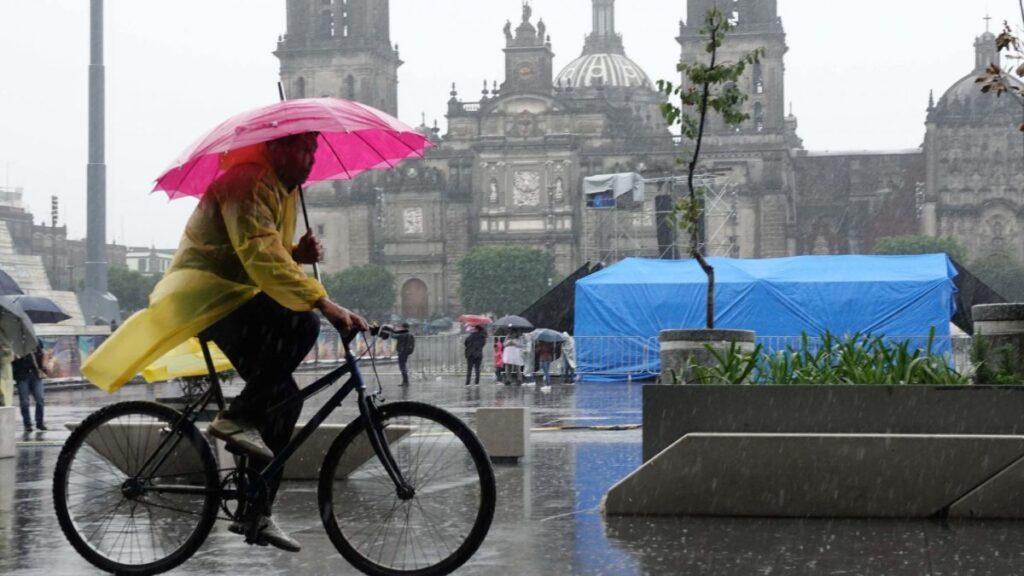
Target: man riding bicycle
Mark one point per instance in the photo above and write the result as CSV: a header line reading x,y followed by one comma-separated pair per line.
x,y
237,280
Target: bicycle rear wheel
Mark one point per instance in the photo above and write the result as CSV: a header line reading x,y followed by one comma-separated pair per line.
x,y
130,496
435,531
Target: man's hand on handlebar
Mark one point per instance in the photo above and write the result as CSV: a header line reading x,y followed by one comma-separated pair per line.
x,y
346,321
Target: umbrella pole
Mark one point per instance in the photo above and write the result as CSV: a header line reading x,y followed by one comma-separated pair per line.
x,y
302,197
305,217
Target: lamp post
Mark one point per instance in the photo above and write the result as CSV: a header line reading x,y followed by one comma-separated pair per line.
x,y
53,241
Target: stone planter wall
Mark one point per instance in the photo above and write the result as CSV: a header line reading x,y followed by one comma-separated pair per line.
x,y
671,412
679,346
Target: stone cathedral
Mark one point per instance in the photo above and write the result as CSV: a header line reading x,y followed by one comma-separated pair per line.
x,y
508,168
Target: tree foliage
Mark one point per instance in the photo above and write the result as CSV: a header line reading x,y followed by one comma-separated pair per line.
x,y
708,87
1003,274
503,279
999,80
131,288
368,289
921,245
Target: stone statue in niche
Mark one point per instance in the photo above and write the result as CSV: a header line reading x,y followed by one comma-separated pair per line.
x,y
492,195
559,193
526,189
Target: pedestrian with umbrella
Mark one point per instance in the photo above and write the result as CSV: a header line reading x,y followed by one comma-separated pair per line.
x,y
17,338
474,345
30,369
237,278
546,341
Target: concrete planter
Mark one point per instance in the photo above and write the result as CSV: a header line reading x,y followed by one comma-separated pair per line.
x,y
671,412
1002,325
8,428
677,347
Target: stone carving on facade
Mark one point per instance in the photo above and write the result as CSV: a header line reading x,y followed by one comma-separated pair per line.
x,y
559,193
412,221
492,194
526,188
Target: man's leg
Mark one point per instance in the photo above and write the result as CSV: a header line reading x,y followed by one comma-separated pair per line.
x,y
265,343
23,402
469,369
546,366
37,393
476,366
402,358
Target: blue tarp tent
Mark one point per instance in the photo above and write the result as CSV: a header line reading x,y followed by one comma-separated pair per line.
x,y
892,296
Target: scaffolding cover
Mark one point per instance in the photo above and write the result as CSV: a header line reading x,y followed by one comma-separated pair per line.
x,y
892,296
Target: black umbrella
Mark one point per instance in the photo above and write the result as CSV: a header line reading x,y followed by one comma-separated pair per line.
x,y
41,310
16,328
546,335
513,322
8,286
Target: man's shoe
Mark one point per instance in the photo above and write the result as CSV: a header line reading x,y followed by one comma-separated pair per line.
x,y
42,427
28,428
241,435
269,533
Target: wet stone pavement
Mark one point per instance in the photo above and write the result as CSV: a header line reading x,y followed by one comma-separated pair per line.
x,y
547,520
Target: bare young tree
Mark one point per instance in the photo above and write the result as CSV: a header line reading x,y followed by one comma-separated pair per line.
x,y
709,87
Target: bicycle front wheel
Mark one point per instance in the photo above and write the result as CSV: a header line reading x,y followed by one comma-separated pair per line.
x,y
435,531
135,491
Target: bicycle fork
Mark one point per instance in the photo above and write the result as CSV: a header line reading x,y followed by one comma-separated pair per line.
x,y
378,440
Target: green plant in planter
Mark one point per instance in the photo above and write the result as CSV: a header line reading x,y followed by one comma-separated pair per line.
x,y
856,359
708,87
995,366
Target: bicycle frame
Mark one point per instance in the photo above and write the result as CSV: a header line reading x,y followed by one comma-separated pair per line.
x,y
367,410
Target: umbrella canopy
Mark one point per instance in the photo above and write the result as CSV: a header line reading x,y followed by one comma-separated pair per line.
x,y
513,322
41,310
474,320
353,138
546,335
16,328
8,286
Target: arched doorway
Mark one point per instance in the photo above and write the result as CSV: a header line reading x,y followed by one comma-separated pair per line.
x,y
415,299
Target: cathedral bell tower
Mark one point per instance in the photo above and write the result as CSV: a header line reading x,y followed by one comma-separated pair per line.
x,y
528,57
757,25
340,48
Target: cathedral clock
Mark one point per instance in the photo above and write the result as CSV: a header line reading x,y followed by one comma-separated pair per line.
x,y
526,72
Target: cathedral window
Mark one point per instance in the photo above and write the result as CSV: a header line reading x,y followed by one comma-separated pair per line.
x,y
300,87
325,26
349,89
758,117
758,76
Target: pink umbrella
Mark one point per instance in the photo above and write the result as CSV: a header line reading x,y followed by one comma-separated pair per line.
x,y
474,320
353,138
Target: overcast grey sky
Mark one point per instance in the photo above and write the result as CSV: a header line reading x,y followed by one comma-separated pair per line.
x,y
857,72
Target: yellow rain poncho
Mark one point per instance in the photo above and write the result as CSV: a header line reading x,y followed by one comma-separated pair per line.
x,y
238,243
185,360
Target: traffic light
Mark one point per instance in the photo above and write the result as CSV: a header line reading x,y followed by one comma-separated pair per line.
x,y
53,211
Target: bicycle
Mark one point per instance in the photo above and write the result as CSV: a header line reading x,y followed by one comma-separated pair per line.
x,y
137,488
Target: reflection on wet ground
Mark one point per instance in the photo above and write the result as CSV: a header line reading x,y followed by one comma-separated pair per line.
x,y
547,520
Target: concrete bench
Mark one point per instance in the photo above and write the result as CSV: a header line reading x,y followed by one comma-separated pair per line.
x,y
504,432
8,429
827,475
303,465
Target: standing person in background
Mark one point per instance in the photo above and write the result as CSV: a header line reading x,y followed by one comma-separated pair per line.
x,y
568,358
499,361
475,353
28,375
6,377
545,356
512,356
405,343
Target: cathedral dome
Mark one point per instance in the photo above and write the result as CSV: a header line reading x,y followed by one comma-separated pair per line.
x,y
603,69
966,95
